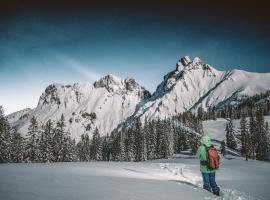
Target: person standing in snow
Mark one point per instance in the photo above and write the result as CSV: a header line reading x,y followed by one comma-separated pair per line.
x,y
209,162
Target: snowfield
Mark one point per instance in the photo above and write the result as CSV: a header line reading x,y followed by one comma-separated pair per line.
x,y
175,178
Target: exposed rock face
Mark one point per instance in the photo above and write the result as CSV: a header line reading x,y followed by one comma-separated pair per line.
x,y
103,105
110,82
195,84
182,63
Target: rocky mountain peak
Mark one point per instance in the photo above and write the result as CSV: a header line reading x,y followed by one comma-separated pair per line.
x,y
110,82
186,63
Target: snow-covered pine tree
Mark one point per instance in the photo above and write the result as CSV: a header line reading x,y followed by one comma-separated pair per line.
x,y
32,141
253,135
105,148
268,138
96,153
151,141
17,146
122,145
194,143
163,141
230,136
130,144
145,135
201,113
244,134
46,142
115,147
70,150
262,147
83,148
59,140
177,142
138,140
169,134
4,138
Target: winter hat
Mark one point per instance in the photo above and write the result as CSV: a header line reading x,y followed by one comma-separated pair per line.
x,y
205,139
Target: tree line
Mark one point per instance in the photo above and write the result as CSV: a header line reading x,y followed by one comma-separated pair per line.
x,y
50,142
246,106
254,138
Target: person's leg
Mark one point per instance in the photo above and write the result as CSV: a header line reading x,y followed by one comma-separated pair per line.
x,y
206,181
212,180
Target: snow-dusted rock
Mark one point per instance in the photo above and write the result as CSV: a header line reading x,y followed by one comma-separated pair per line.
x,y
103,105
195,84
13,117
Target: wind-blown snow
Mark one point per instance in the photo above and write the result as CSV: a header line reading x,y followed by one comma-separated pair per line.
x,y
175,178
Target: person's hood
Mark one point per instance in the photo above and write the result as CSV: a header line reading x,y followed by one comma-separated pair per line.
x,y
205,140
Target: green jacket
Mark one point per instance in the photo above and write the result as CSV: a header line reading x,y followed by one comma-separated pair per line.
x,y
201,153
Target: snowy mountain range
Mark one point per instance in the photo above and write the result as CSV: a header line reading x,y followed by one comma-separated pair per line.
x,y
112,100
103,105
194,84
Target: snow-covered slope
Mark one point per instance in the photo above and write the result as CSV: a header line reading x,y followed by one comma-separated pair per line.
x,y
102,105
13,117
194,84
177,178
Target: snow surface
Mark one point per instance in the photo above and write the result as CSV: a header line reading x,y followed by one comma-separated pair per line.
x,y
175,178
216,128
13,117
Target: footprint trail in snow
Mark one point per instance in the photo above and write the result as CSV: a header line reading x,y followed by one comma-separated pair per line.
x,y
186,176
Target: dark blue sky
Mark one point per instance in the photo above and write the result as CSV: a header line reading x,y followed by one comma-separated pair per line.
x,y
79,42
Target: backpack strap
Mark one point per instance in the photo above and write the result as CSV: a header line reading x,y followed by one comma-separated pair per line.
x,y
205,162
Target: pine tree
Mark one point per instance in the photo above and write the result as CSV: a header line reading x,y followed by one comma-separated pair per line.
x,y
200,113
130,145
32,141
230,136
244,137
115,148
46,143
163,141
5,138
59,140
17,146
70,150
267,134
145,135
253,136
105,149
151,141
83,148
138,140
194,143
122,145
96,153
262,147
170,137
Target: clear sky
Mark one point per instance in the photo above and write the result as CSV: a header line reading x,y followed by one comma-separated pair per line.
x,y
73,42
